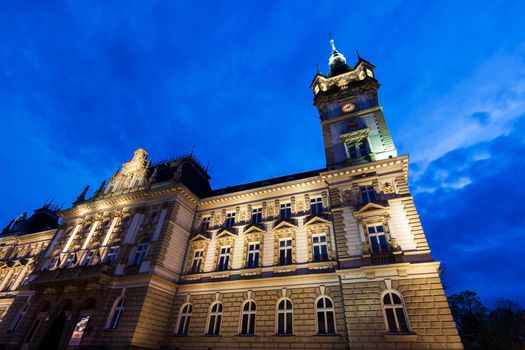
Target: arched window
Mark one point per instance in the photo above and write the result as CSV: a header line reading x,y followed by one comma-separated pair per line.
x,y
184,319
325,316
248,318
214,321
141,252
285,317
395,313
19,317
116,313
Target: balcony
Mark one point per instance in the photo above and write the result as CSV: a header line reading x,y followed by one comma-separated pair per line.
x,y
65,276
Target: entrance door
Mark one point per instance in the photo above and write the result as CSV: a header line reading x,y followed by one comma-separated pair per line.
x,y
52,338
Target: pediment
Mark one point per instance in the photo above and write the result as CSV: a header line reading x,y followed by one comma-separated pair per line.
x,y
372,209
199,237
226,232
253,229
316,220
284,225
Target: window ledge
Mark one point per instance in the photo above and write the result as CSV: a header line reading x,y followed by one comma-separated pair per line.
x,y
327,334
400,337
246,335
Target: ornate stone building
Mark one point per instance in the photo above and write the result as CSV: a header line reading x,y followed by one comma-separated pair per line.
x,y
22,242
330,258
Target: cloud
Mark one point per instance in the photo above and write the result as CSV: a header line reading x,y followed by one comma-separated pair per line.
x,y
476,228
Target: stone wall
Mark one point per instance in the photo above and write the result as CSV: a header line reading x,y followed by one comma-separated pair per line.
x,y
265,337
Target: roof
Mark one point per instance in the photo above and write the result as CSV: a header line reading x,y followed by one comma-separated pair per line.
x,y
267,182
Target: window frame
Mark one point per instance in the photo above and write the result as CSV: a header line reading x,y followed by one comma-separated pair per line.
x,y
286,248
112,256
394,306
187,318
256,212
256,252
325,310
249,312
376,235
317,203
287,209
230,219
119,305
320,245
285,312
199,259
205,223
370,192
224,255
20,315
218,315
140,253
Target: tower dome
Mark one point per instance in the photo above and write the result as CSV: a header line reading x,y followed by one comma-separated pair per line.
x,y
337,61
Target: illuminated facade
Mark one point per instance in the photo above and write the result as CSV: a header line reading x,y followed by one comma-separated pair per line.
x,y
331,258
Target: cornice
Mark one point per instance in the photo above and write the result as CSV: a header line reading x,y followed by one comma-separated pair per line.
x,y
128,199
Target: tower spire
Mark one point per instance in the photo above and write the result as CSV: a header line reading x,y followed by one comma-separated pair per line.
x,y
337,61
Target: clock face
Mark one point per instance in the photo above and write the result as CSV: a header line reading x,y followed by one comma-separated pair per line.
x,y
348,107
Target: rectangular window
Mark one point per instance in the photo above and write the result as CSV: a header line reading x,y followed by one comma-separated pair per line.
x,y
89,258
368,194
205,224
319,248
253,255
142,249
224,259
256,215
230,220
285,251
378,239
70,261
357,149
196,264
113,254
286,211
316,206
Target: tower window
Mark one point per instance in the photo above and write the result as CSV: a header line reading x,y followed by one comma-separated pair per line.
x,y
286,211
357,149
256,215
230,220
224,259
285,251
368,194
316,206
253,255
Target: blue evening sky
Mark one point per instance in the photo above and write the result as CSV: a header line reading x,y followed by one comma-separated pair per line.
x,y
85,83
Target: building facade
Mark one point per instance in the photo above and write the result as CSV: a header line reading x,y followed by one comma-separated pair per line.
x,y
330,258
22,242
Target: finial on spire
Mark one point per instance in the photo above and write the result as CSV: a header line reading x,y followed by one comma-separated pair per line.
x,y
358,56
318,70
332,42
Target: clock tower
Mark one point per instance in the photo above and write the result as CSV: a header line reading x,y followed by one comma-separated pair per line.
x,y
352,121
